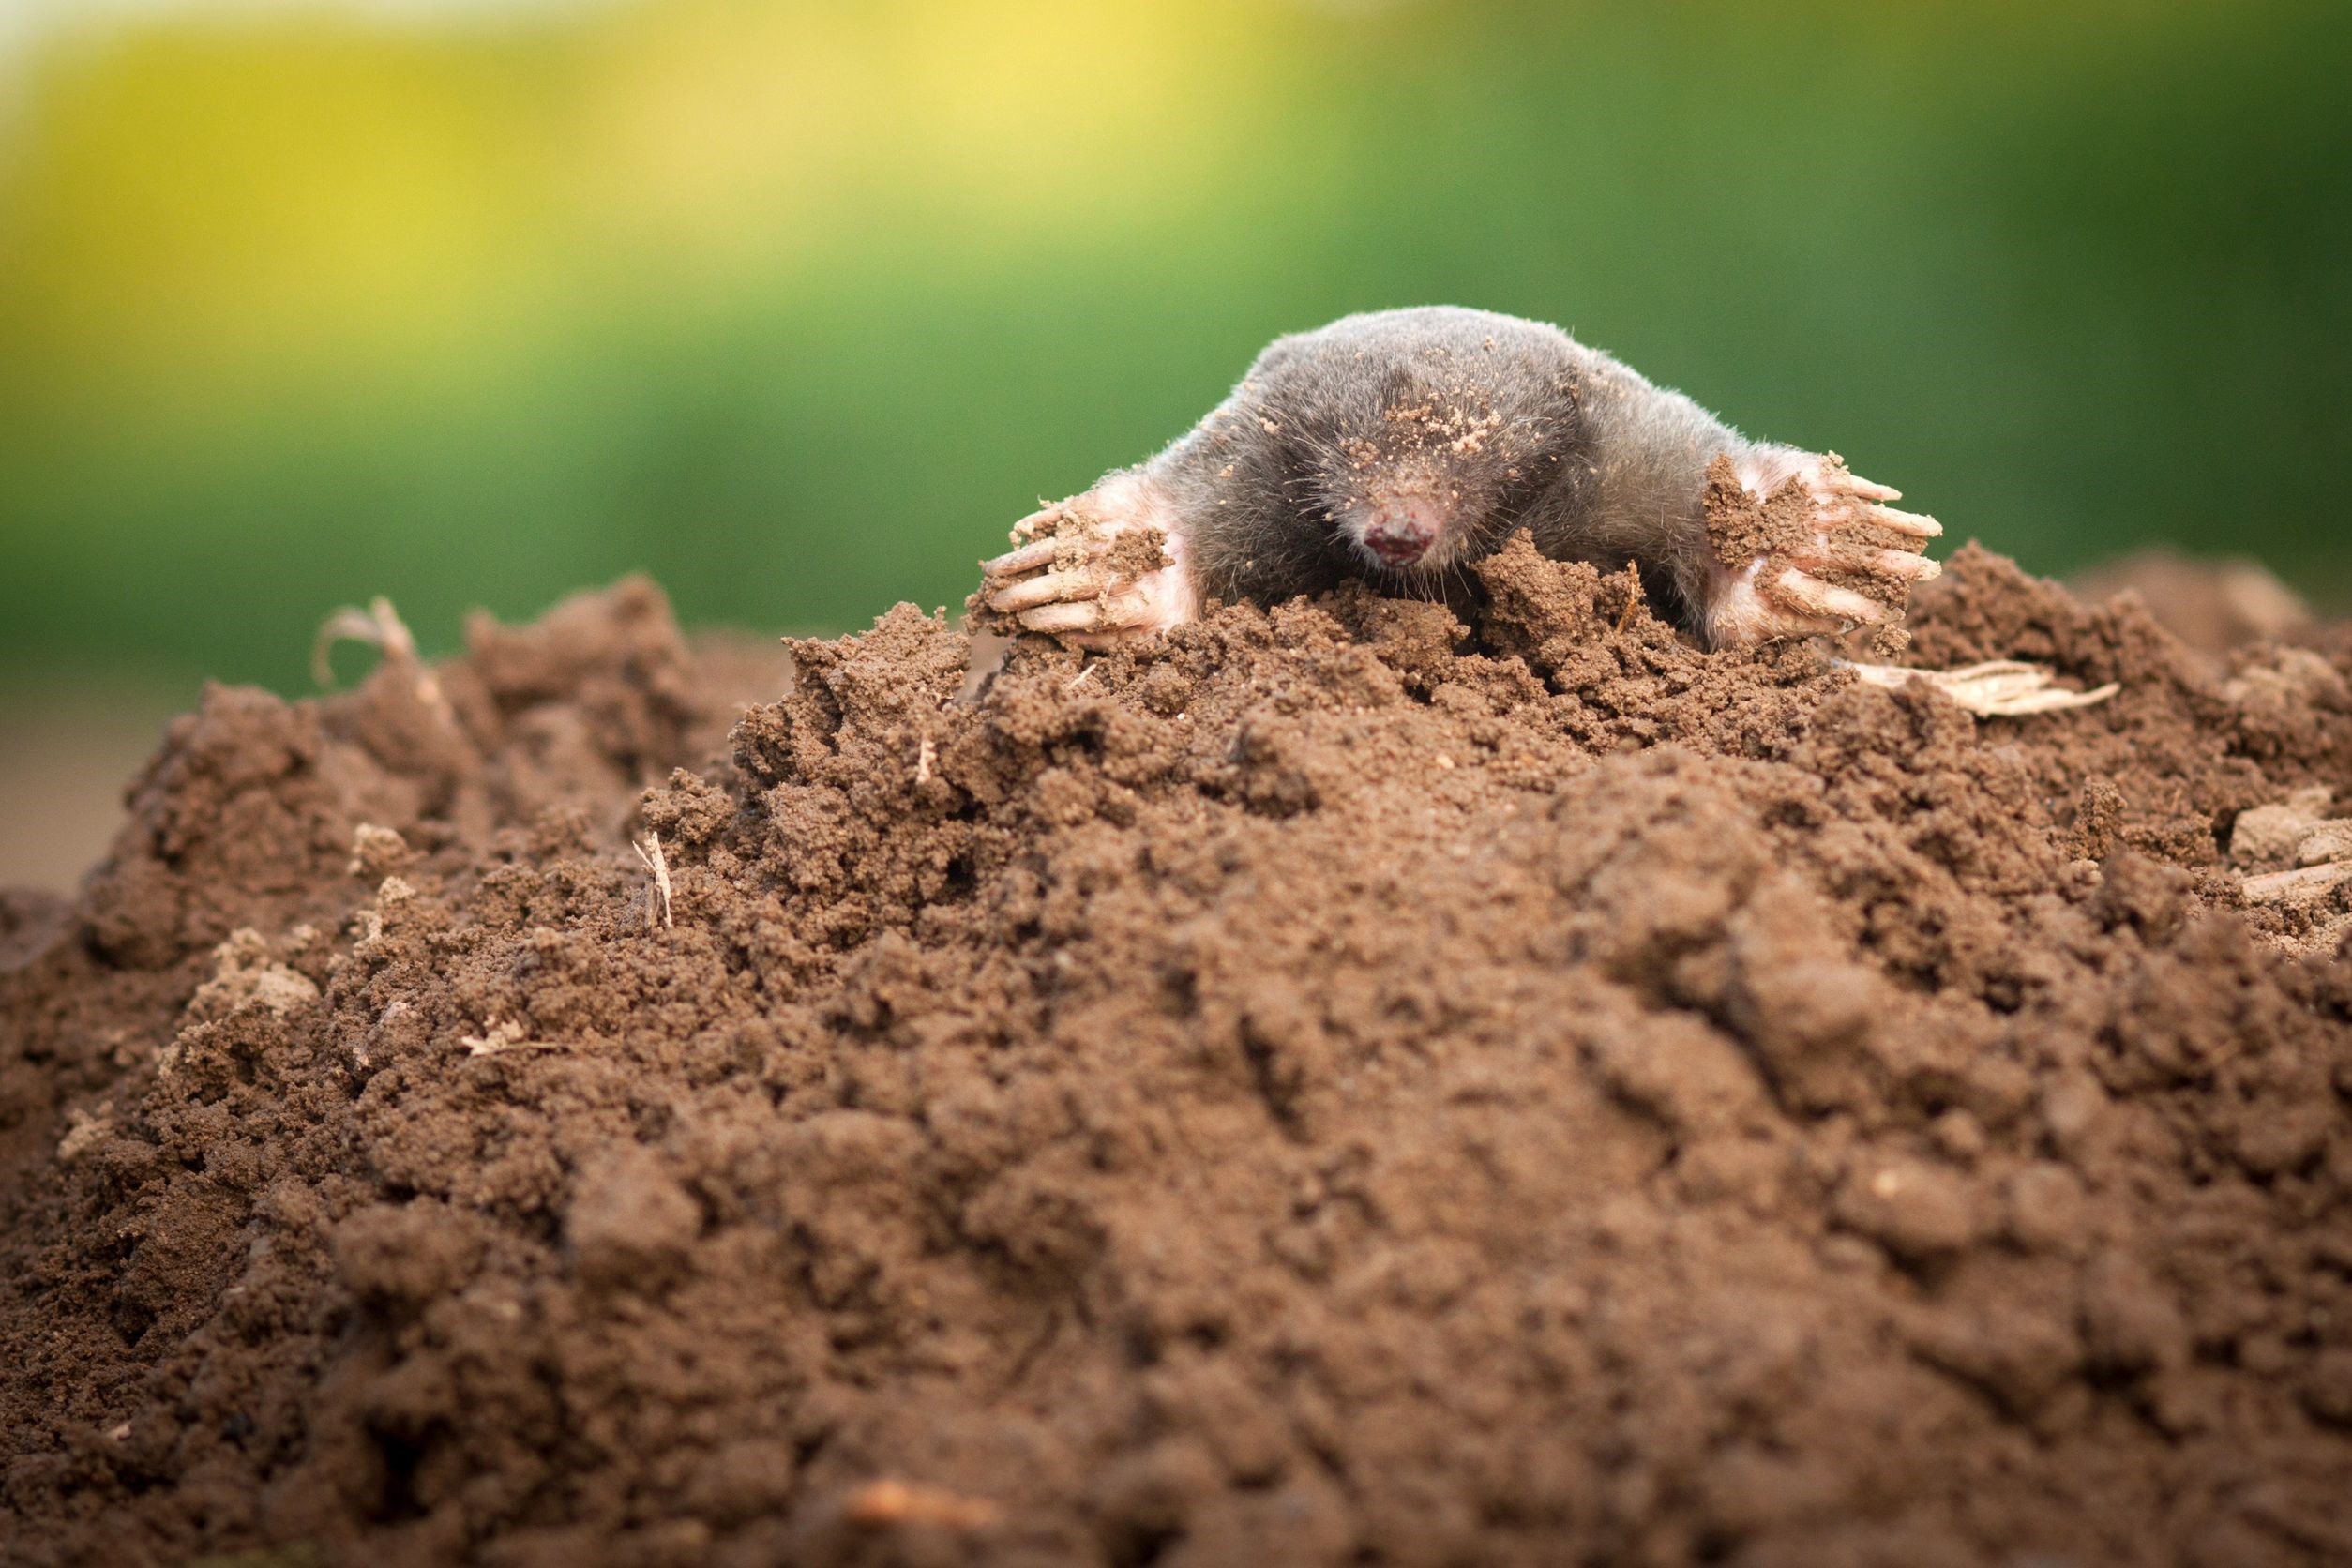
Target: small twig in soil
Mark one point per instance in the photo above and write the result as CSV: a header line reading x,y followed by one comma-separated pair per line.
x,y
894,1503
924,756
659,863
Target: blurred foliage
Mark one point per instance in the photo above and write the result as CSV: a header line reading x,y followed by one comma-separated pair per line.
x,y
796,305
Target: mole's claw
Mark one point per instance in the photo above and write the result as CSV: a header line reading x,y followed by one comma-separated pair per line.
x,y
1085,616
1902,563
1742,613
1099,570
1037,552
1047,588
1867,490
1919,525
1810,593
1029,526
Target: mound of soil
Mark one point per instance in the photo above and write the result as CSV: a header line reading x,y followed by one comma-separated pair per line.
x,y
1342,1085
2211,605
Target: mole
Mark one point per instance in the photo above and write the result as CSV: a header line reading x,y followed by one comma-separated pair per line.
x,y
1397,446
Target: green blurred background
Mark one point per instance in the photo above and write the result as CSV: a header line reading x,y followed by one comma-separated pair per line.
x,y
796,305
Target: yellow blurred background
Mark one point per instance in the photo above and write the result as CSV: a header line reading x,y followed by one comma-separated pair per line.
x,y
794,305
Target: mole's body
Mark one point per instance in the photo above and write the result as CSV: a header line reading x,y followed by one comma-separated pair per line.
x,y
1399,445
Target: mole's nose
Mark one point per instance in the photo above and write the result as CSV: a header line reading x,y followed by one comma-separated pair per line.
x,y
1397,542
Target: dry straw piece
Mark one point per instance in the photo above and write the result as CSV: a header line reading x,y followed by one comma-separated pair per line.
x,y
2296,886
380,628
2000,688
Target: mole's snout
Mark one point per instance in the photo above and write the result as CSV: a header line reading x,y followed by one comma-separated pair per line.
x,y
1399,533
1399,544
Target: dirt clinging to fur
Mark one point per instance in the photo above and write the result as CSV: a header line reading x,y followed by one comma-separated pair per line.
x,y
1342,1084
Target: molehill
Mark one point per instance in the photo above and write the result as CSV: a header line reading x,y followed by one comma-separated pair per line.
x,y
1344,1084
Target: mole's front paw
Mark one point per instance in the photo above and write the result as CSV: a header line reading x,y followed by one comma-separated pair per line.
x,y
1803,545
1096,570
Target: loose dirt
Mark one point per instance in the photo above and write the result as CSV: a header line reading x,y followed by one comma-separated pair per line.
x,y
1341,1085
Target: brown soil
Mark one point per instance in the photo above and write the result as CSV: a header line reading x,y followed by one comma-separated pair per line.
x,y
1340,1086
1741,525
2211,605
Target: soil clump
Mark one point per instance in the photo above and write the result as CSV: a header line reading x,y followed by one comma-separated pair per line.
x,y
1788,522
1362,1082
